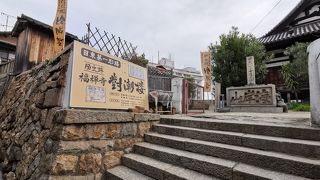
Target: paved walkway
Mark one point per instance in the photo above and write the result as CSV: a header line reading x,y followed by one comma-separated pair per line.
x,y
291,118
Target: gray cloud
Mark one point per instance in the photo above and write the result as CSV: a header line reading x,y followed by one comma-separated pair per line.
x,y
180,27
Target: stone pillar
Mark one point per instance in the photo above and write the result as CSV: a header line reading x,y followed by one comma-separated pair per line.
x,y
217,94
251,73
288,97
314,81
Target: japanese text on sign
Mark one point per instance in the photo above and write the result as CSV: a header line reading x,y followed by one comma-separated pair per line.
x,y
99,82
59,26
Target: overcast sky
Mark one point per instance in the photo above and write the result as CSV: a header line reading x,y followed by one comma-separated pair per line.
x,y
180,27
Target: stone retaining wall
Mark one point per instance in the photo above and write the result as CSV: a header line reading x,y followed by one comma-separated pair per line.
x,y
27,113
93,141
41,140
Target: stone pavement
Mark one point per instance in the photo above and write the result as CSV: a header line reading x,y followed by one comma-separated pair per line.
x,y
290,119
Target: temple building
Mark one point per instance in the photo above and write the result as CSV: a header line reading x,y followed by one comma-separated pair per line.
x,y
302,24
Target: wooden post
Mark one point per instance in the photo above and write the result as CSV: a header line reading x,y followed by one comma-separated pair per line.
x,y
59,26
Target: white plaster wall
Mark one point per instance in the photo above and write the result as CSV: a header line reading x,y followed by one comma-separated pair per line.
x,y
176,88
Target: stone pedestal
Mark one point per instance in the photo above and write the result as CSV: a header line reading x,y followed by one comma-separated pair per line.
x,y
258,98
314,81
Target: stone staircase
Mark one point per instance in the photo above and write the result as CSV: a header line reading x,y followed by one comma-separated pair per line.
x,y
193,148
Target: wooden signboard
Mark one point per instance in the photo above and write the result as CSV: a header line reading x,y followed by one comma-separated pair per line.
x,y
100,80
206,70
59,26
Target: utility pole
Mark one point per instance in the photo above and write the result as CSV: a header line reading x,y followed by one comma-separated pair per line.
x,y
158,56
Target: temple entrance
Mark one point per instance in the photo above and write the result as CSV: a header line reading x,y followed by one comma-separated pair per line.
x,y
193,98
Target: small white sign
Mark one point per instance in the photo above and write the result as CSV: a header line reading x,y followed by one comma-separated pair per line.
x,y
96,94
136,71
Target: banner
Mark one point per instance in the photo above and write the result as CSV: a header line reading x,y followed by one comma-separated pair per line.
x,y
206,70
100,80
59,26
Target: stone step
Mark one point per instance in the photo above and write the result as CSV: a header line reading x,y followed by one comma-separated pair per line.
x,y
217,167
244,171
305,148
125,173
289,164
160,170
259,128
201,163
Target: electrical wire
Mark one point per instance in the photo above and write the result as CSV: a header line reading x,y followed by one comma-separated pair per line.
x,y
255,27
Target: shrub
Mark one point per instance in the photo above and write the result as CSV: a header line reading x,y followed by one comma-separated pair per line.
x,y
299,107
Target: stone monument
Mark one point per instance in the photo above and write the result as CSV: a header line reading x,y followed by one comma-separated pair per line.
x,y
314,81
217,96
251,74
252,97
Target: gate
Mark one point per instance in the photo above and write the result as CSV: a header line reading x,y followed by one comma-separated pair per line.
x,y
192,98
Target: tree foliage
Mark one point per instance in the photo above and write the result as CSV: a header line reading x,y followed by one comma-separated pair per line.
x,y
295,74
139,60
229,59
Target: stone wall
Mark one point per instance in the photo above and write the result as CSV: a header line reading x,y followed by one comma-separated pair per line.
x,y
27,113
93,141
41,140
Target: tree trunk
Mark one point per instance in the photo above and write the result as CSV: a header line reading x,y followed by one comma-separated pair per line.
x,y
288,97
296,95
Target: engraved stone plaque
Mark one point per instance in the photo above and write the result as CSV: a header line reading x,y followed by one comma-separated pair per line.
x,y
259,95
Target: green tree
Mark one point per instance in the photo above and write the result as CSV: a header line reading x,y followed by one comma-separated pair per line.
x,y
229,59
139,60
295,74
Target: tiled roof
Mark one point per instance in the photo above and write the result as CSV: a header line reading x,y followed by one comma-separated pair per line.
x,y
292,14
23,20
154,71
294,32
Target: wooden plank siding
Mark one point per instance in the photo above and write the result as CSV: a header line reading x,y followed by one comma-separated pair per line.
x,y
22,51
41,47
33,47
274,77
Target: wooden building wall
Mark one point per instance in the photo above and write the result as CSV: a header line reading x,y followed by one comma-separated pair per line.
x,y
159,83
33,47
22,50
274,77
8,38
41,47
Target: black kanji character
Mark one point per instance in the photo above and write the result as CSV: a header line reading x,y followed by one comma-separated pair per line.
x,y
94,79
103,81
128,85
113,80
140,87
84,77
87,67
